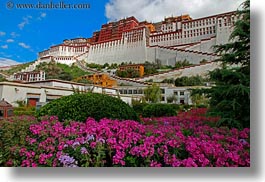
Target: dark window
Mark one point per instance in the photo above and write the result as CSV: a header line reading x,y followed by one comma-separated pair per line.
x,y
1,113
182,101
181,93
10,112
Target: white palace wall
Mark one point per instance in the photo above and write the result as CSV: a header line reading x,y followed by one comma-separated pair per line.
x,y
131,48
117,52
191,40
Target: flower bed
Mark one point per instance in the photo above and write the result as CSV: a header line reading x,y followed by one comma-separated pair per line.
x,y
180,141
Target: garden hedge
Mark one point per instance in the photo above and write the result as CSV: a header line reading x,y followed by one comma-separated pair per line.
x,y
158,110
79,107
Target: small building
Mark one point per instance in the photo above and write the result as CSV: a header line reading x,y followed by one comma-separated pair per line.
x,y
30,76
100,79
6,109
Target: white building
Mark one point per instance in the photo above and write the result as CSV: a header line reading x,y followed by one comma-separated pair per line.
x,y
29,76
127,40
181,94
41,92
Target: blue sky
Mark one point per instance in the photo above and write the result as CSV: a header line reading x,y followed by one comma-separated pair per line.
x,y
25,32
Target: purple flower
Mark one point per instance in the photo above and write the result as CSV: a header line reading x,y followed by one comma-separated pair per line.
x,y
83,150
243,141
67,161
101,140
75,144
89,138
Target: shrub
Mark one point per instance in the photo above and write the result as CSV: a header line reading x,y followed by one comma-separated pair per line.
x,y
158,110
24,110
81,106
139,107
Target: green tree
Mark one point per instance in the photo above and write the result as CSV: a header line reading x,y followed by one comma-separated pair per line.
x,y
189,81
199,100
152,93
172,98
230,97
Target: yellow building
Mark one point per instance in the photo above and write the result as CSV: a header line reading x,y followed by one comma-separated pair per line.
x,y
136,67
100,79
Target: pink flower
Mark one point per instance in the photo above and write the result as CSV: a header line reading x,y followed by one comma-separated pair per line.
x,y
189,163
155,164
93,144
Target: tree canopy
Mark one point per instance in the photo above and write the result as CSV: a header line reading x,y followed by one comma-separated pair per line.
x,y
152,93
230,97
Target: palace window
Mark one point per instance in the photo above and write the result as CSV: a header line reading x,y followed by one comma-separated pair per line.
x,y
220,23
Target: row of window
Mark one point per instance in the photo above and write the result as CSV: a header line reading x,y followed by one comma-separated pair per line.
x,y
191,33
131,33
105,45
29,76
226,21
169,28
64,58
131,91
79,49
139,91
199,23
129,67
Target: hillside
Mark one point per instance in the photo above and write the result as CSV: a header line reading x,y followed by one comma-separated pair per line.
x,y
16,68
53,70
61,71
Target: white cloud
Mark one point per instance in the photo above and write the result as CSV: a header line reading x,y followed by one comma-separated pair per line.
x,y
43,15
10,40
156,10
2,33
7,62
4,46
22,44
14,34
24,22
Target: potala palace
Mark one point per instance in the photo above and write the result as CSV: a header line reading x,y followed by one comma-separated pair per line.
x,y
166,42
128,40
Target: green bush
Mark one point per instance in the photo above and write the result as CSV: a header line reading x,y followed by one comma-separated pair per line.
x,y
139,107
158,110
81,106
19,111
